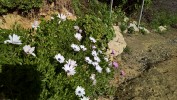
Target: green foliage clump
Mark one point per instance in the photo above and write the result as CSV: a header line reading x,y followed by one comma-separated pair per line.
x,y
42,77
123,26
128,6
95,27
92,7
100,13
20,5
163,19
131,30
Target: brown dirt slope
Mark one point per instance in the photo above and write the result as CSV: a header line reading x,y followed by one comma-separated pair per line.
x,y
150,67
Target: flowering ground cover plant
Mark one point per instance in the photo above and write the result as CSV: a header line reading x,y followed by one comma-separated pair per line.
x,y
59,60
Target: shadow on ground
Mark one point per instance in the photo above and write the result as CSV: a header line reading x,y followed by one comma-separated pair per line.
x,y
19,82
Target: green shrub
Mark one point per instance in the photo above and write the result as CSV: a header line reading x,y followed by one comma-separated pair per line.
x,y
93,7
97,14
128,6
131,30
163,19
44,74
95,27
19,5
118,16
123,26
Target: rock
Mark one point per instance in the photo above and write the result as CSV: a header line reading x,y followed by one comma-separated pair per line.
x,y
134,26
162,28
117,44
145,30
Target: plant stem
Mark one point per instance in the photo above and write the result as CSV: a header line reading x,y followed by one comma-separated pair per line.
x,y
141,14
111,8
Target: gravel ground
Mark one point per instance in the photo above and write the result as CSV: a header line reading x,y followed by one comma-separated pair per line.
x,y
151,67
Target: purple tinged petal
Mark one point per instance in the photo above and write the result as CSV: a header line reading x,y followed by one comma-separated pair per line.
x,y
122,73
115,64
113,52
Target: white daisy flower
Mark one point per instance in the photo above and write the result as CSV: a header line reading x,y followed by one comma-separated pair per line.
x,y
71,63
92,77
80,91
70,70
93,47
75,47
14,39
59,58
95,64
96,58
99,69
62,17
85,98
106,59
78,36
35,25
29,50
80,31
76,28
94,53
88,60
108,70
92,39
83,47
94,82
